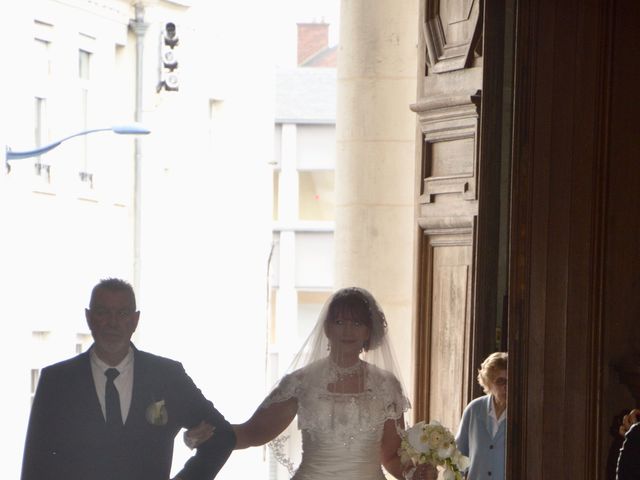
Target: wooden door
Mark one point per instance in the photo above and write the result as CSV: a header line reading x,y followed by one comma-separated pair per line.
x,y
573,261
575,289
460,114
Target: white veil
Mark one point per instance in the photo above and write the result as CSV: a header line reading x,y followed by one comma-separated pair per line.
x,y
312,369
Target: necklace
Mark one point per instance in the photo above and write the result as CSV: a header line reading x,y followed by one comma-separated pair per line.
x,y
347,371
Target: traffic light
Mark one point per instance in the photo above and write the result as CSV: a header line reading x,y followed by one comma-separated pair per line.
x,y
170,79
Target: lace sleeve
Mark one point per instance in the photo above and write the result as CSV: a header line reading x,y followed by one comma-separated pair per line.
x,y
395,401
287,388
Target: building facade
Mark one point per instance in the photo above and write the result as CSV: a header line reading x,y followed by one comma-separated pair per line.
x,y
304,198
160,211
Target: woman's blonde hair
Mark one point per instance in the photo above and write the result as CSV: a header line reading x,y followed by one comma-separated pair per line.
x,y
492,364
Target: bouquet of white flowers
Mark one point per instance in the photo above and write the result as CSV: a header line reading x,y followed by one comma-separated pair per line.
x,y
434,444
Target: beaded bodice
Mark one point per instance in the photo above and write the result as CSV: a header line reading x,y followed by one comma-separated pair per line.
x,y
341,432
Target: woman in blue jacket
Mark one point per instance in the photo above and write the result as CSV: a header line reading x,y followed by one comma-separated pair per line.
x,y
482,432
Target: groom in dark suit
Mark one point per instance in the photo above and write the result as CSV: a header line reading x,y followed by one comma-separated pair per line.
x,y
112,413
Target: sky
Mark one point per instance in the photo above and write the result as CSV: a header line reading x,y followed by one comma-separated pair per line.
x,y
314,10
276,19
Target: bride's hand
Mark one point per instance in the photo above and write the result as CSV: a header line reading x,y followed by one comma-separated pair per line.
x,y
196,436
425,471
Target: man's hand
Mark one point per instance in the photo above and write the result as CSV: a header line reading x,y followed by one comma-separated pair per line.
x,y
629,419
196,436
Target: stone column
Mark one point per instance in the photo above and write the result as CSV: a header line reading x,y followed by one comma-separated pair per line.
x,y
375,166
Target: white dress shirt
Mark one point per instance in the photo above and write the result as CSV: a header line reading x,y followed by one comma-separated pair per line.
x,y
494,421
124,381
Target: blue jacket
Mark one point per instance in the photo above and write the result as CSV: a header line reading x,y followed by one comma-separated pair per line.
x,y
474,440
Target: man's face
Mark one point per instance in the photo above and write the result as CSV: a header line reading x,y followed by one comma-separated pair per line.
x,y
112,320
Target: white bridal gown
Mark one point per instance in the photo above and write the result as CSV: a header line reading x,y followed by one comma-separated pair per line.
x,y
341,433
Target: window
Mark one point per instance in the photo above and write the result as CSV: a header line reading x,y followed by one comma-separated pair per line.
x,y
314,260
84,64
83,341
40,348
315,147
316,195
35,376
42,59
272,332
84,75
217,129
41,133
42,76
274,262
309,307
276,193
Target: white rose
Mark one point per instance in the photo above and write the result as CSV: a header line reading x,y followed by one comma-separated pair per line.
x,y
448,475
417,438
460,460
446,451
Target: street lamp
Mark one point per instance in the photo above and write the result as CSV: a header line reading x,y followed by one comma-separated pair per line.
x,y
132,129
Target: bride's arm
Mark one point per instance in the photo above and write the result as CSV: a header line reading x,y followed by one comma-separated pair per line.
x,y
389,449
391,461
265,424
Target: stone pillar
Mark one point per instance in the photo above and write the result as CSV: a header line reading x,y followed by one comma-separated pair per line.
x,y
375,185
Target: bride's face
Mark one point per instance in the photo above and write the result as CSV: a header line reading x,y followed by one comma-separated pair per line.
x,y
347,333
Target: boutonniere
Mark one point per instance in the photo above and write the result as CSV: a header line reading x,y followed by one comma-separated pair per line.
x,y
157,414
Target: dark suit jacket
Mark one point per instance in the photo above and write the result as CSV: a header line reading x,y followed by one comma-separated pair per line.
x,y
629,458
68,439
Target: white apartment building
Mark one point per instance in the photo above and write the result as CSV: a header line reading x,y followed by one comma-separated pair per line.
x,y
304,201
173,212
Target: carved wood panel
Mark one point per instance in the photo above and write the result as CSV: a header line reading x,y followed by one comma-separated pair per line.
x,y
448,111
449,322
446,267
449,164
449,31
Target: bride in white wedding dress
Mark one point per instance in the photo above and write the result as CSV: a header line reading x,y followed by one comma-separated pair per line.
x,y
348,402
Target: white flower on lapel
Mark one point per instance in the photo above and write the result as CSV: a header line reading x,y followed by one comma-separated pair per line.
x,y
157,414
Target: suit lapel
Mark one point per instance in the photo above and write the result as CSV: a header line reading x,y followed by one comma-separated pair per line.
x,y
87,390
142,392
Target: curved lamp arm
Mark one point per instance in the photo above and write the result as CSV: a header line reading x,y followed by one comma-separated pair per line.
x,y
133,129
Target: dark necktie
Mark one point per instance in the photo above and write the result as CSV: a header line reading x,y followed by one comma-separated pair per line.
x,y
112,399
